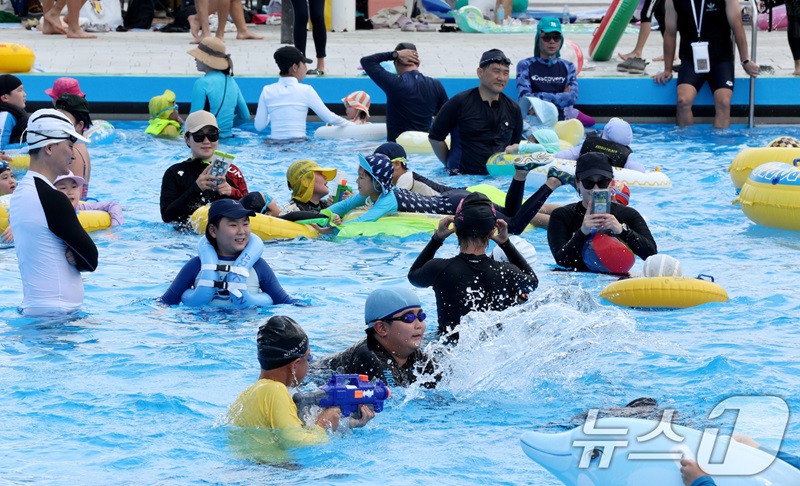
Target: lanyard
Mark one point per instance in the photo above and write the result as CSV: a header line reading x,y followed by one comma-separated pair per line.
x,y
694,14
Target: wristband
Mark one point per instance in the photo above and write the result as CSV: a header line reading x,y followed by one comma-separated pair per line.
x,y
745,62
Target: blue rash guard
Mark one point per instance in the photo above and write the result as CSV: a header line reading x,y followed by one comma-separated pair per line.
x,y
547,80
267,282
220,95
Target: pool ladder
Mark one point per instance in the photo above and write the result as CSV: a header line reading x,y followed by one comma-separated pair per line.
x,y
751,123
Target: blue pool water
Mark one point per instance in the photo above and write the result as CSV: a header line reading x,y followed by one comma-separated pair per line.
x,y
132,392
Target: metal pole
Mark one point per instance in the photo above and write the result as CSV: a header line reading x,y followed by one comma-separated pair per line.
x,y
751,122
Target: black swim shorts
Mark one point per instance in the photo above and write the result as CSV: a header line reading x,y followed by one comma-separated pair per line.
x,y
651,8
721,75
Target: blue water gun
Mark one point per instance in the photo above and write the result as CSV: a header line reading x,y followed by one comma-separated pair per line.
x,y
347,392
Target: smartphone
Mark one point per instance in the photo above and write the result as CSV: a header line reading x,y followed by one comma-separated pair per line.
x,y
601,201
221,163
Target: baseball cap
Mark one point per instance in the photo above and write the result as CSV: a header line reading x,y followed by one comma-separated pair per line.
x,y
475,215
287,56
227,208
546,112
359,100
405,45
549,24
300,178
80,181
76,106
493,56
8,83
48,126
280,341
64,85
385,302
199,119
392,150
593,164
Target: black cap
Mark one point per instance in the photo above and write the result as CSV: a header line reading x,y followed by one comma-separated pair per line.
x,y
8,83
280,341
392,150
288,56
593,164
494,56
475,215
227,208
254,201
405,45
76,106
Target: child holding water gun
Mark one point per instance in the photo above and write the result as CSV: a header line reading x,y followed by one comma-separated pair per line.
x,y
72,185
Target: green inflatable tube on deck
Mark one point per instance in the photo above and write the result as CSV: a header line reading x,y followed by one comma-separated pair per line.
x,y
518,6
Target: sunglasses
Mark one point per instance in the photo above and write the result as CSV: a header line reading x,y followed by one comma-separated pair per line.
x,y
598,183
408,317
551,37
212,135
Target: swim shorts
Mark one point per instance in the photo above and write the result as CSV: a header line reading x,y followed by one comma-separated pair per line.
x,y
721,75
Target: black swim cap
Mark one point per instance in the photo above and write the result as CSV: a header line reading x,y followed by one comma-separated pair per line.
x,y
280,340
475,215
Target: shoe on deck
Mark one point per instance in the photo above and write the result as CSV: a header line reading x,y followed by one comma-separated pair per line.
x,y
633,65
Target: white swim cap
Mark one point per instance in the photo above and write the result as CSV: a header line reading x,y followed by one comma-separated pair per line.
x,y
662,266
525,249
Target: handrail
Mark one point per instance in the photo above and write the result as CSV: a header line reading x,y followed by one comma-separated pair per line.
x,y
751,122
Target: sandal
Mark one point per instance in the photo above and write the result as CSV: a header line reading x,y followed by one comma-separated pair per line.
x,y
315,72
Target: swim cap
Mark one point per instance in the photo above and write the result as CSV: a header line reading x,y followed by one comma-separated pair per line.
x,y
385,302
8,83
255,201
524,248
548,138
475,215
161,106
619,131
76,106
48,126
662,266
280,341
300,178
380,168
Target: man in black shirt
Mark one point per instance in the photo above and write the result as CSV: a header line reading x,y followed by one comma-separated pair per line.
x,y
481,121
391,351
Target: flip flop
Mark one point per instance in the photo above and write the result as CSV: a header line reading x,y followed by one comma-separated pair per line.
x,y
315,72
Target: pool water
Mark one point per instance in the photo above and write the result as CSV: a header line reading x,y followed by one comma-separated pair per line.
x,y
132,392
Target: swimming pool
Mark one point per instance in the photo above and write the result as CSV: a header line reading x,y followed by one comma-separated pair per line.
x,y
132,392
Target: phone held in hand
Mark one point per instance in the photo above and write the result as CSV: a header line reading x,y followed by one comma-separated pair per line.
x,y
601,201
221,163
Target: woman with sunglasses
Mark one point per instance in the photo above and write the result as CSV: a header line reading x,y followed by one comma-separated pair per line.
x,y
573,225
392,351
188,185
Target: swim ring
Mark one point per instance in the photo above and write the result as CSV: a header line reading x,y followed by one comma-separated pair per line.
x,y
470,20
16,58
101,132
570,131
784,141
417,142
20,162
751,157
265,227
771,196
90,220
518,6
780,21
607,35
664,292
367,132
499,164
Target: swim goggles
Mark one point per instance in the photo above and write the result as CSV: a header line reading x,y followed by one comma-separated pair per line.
x,y
4,166
169,108
408,317
69,137
402,160
200,135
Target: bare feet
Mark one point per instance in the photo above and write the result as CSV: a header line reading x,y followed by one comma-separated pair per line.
x,y
51,24
796,73
661,58
194,26
198,39
248,35
79,34
630,55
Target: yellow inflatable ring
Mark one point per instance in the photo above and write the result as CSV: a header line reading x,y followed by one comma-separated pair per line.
x,y
20,163
664,292
570,131
750,158
417,142
90,220
771,196
261,225
16,58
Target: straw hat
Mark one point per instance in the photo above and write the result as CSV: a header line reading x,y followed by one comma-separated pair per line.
x,y
211,52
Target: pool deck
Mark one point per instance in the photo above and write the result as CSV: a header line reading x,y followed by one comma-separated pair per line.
x,y
143,63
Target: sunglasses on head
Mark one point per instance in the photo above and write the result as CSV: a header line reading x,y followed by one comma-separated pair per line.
x,y
598,183
551,37
408,317
211,134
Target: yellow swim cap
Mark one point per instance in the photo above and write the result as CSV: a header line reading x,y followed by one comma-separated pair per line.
x,y
300,177
161,106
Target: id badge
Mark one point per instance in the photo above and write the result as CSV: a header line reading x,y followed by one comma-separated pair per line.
x,y
700,55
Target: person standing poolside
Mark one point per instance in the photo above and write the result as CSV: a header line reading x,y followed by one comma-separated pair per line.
x,y
481,121
64,86
634,63
412,99
391,352
229,243
77,110
472,281
217,91
316,8
793,32
51,20
713,24
285,104
52,247
284,356
572,226
546,75
204,8
13,117
188,185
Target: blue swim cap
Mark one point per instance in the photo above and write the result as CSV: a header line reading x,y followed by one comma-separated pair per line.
x,y
384,302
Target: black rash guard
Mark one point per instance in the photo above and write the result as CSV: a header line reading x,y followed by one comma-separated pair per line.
x,y
368,357
566,238
467,283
